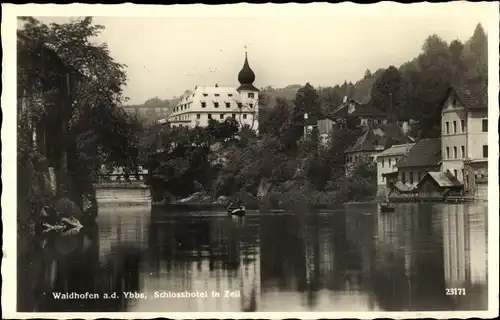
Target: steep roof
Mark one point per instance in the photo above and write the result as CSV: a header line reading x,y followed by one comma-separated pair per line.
x,y
376,137
360,109
368,110
342,110
443,179
473,96
397,150
425,153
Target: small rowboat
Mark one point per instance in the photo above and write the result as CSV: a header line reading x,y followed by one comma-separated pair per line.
x,y
387,207
240,212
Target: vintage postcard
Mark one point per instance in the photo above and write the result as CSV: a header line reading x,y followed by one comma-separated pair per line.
x,y
250,161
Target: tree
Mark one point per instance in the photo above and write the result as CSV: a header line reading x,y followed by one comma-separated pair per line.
x,y
222,131
368,74
475,56
97,96
277,116
389,93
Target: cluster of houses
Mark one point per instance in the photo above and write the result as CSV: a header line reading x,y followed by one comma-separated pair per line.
x,y
453,166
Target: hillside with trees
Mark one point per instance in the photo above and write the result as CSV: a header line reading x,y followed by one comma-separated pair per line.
x,y
413,90
278,168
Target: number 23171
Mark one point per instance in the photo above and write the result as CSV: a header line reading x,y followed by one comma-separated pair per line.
x,y
455,291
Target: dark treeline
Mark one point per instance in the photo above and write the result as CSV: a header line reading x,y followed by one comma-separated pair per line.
x,y
412,91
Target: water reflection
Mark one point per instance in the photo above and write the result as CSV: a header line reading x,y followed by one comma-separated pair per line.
x,y
355,259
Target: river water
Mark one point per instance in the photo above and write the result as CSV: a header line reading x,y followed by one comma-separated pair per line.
x,y
350,259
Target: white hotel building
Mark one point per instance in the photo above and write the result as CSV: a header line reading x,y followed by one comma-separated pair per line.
x,y
197,107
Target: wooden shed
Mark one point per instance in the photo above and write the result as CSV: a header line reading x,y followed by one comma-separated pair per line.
x,y
439,185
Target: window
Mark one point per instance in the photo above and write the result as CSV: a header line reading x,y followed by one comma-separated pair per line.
x,y
205,94
485,151
455,172
411,177
240,105
209,116
198,116
244,116
221,116
419,176
229,94
463,151
216,94
390,162
383,163
462,124
203,104
250,95
403,177
233,115
455,153
216,104
485,125
447,127
447,152
463,175
454,127
228,105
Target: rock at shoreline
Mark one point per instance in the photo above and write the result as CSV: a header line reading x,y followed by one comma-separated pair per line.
x,y
67,208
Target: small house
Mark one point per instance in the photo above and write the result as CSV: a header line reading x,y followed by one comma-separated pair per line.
x,y
423,157
438,185
386,164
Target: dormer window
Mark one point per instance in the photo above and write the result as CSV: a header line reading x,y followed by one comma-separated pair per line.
x,y
216,104
228,105
251,95
203,104
240,105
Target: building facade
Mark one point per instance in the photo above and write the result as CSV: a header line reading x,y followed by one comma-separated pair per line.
x,y
423,157
386,163
464,130
197,107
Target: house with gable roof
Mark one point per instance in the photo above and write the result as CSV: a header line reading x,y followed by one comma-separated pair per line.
x,y
374,139
464,135
355,113
423,157
387,170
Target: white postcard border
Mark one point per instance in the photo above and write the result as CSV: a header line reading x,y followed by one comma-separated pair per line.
x,y
9,151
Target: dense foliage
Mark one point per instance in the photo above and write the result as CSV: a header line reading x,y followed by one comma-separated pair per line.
x,y
98,131
276,167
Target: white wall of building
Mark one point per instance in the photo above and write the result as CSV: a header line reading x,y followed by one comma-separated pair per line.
x,y
197,107
477,138
462,136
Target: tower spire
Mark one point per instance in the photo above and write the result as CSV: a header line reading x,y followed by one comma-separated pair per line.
x,y
246,77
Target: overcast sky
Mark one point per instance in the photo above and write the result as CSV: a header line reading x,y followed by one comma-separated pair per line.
x,y
167,55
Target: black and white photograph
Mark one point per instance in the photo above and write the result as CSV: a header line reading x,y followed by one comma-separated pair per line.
x,y
250,160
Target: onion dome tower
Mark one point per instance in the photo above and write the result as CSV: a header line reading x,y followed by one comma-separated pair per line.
x,y
246,77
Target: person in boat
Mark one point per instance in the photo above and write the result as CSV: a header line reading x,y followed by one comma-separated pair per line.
x,y
234,204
